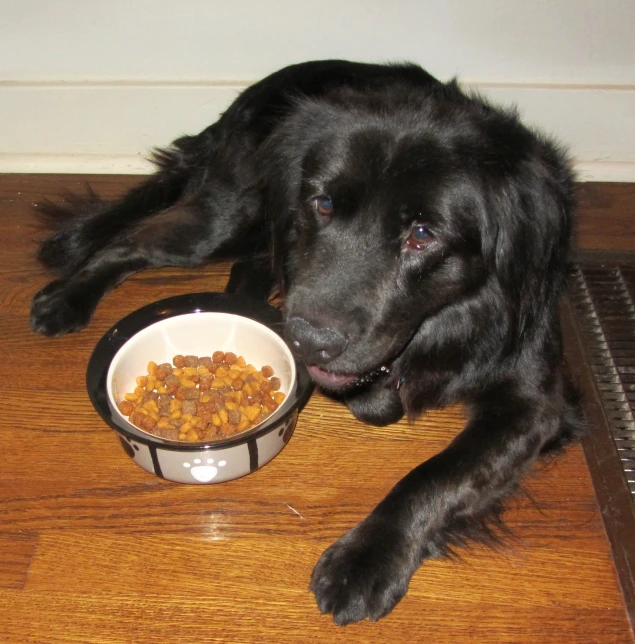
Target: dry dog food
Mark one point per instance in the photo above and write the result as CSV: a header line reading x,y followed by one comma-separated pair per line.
x,y
199,399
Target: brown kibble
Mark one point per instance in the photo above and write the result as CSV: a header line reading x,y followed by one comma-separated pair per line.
x,y
143,421
269,403
267,371
126,407
205,382
171,380
163,371
150,395
218,356
233,416
191,361
189,407
228,429
205,408
230,358
179,361
170,433
275,383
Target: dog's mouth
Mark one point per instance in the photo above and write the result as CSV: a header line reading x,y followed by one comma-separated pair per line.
x,y
339,381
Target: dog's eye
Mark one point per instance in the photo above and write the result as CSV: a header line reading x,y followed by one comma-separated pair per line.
x,y
324,206
419,237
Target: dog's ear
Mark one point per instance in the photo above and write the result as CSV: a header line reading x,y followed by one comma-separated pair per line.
x,y
530,217
279,186
282,161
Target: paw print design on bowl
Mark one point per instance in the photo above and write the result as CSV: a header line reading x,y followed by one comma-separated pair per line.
x,y
128,446
204,471
286,431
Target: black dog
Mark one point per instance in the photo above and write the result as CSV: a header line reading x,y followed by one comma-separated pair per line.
x,y
421,238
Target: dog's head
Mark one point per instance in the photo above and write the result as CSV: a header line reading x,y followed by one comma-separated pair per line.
x,y
413,211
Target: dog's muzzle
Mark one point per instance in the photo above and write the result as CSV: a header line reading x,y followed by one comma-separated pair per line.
x,y
314,344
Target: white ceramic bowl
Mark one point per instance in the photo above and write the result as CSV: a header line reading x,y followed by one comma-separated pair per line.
x,y
197,324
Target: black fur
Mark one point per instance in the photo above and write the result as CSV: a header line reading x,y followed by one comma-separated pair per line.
x,y
420,237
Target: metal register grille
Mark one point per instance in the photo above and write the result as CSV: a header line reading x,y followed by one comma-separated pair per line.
x,y
603,297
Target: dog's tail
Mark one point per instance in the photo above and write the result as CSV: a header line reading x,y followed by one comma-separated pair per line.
x,y
85,224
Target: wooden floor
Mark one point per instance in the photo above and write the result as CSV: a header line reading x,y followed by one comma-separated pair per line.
x,y
94,549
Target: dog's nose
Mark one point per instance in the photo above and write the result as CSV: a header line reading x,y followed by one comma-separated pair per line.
x,y
314,343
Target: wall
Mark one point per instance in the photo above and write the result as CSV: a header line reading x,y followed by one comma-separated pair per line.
x,y
87,86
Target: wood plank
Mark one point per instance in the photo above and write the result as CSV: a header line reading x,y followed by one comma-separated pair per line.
x,y
16,554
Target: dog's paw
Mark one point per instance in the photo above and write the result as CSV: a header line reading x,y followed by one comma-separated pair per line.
x,y
58,309
364,574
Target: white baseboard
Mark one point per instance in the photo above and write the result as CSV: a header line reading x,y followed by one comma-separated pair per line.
x,y
74,164
122,164
109,128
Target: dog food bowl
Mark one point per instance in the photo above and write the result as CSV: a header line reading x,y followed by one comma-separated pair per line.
x,y
197,324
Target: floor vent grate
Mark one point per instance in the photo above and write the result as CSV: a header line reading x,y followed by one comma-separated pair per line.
x,y
603,301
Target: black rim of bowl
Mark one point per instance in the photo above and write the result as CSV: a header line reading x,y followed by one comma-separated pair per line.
x,y
120,333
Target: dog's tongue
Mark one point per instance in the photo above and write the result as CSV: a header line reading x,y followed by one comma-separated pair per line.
x,y
327,378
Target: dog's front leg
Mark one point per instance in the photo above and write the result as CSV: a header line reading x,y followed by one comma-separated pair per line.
x,y
439,504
